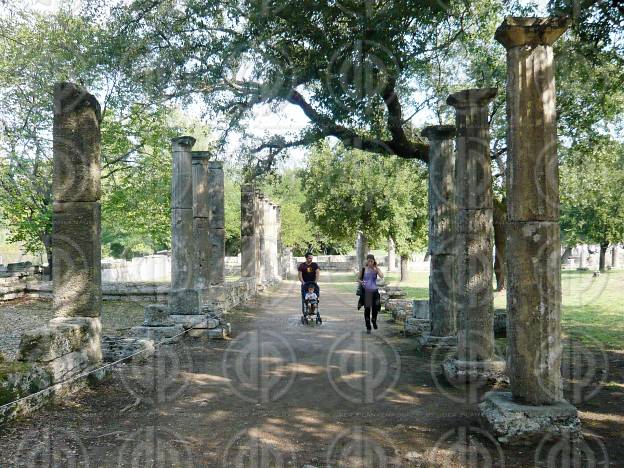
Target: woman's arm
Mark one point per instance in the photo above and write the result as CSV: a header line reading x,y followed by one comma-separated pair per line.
x,y
379,273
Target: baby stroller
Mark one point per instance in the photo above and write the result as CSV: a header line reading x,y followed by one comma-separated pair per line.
x,y
306,310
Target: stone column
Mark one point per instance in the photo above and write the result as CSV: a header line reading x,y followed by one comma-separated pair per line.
x,y
614,256
248,231
76,266
280,247
442,236
208,220
262,272
183,297
361,250
474,228
71,343
391,255
534,269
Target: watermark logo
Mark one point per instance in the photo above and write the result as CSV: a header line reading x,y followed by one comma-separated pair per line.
x,y
160,379
468,446
584,368
251,448
362,369
52,447
260,366
462,380
362,447
155,446
587,451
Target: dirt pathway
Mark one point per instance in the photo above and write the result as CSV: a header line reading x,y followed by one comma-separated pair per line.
x,y
277,394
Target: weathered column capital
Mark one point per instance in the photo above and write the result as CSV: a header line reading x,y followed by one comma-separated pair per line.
x,y
439,132
185,141
70,97
531,31
200,156
475,97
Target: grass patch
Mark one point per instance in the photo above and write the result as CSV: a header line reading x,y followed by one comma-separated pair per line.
x,y
592,306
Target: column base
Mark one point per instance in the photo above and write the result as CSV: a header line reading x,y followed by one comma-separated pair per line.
x,y
430,342
514,423
463,372
184,301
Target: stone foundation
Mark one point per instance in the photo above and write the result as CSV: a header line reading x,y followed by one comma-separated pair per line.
x,y
514,424
116,348
429,342
462,372
416,327
399,308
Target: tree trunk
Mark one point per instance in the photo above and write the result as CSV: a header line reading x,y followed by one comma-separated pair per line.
x,y
603,254
500,213
404,273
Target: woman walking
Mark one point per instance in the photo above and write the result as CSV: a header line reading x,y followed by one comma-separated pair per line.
x,y
370,299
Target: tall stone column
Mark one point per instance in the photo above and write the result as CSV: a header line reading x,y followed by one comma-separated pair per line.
x,y
262,231
361,250
614,256
208,220
442,236
71,343
534,269
280,246
183,297
391,255
474,226
248,231
76,246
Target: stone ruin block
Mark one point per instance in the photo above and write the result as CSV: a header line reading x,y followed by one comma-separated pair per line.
x,y
458,372
399,308
184,302
116,348
416,327
518,424
195,321
61,337
76,266
171,334
157,315
420,309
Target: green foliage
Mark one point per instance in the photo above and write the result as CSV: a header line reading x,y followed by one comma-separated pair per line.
x,y
347,191
592,206
232,213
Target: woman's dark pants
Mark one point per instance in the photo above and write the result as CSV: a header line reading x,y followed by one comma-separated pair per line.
x,y
371,302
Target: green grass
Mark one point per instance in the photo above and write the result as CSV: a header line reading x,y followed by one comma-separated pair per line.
x,y
593,307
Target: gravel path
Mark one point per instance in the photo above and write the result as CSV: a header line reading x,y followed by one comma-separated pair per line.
x,y
281,394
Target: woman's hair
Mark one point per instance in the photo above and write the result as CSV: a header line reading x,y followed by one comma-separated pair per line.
x,y
370,257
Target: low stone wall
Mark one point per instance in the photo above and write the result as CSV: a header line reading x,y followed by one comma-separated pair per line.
x,y
15,284
49,359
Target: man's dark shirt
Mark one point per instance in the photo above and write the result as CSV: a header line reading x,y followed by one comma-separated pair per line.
x,y
308,272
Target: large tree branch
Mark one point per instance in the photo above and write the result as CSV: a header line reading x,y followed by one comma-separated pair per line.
x,y
399,145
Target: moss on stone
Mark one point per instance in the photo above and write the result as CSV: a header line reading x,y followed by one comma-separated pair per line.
x,y
13,367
